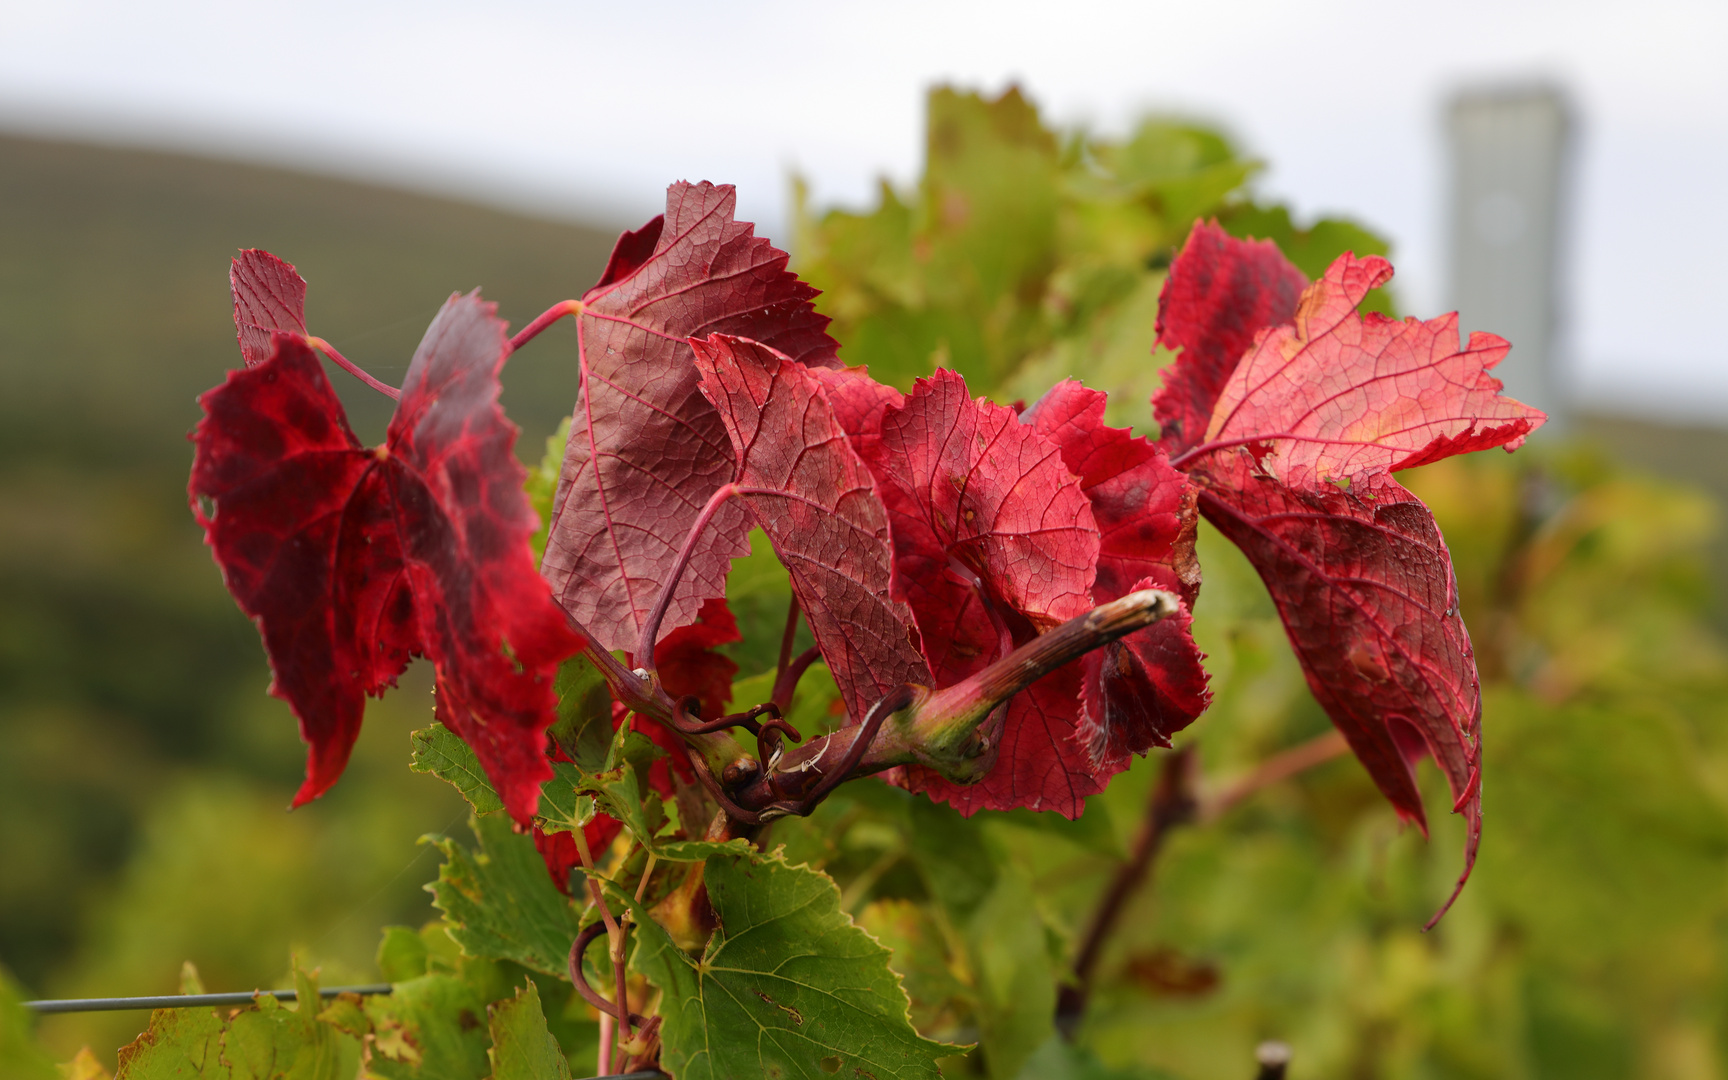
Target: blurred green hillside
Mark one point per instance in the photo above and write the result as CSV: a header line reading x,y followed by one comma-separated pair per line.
x,y
132,712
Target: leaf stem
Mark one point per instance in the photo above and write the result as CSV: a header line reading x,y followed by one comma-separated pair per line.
x,y
1177,799
787,639
353,369
615,934
645,643
1280,766
547,318
644,655
786,684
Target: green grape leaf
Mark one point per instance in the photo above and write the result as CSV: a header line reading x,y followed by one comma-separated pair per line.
x,y
438,751
788,985
584,727
522,1047
563,806
178,1042
942,999
542,485
430,1028
499,901
570,798
1016,979
265,1041
20,1056
402,955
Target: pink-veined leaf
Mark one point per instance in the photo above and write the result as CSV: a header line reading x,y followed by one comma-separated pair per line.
x,y
994,542
816,500
859,402
646,450
1361,577
1221,292
1364,584
269,296
1364,394
352,560
1151,684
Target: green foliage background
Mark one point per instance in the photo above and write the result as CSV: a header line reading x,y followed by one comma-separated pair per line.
x,y
1590,942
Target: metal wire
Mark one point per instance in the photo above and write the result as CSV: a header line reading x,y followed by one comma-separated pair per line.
x,y
192,1001
188,1001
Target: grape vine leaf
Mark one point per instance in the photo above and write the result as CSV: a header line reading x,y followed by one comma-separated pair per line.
x,y
787,985
402,954
994,542
816,500
263,1041
269,296
438,751
1362,394
1364,584
1146,687
1221,292
20,1055
352,560
522,1046
499,902
1355,564
430,1028
941,998
646,449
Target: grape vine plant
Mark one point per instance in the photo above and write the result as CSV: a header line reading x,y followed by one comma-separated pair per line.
x,y
999,598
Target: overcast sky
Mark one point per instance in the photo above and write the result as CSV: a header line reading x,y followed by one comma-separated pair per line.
x,y
590,109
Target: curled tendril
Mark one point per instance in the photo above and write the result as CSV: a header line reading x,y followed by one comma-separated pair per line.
x,y
589,994
687,718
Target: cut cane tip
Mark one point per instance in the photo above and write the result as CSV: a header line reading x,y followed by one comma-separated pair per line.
x,y
1273,1057
1143,607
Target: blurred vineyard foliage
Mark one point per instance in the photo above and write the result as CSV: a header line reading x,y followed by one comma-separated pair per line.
x,y
1591,942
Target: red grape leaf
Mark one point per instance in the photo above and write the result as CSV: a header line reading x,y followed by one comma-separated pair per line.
x,y
1221,292
1364,584
1041,764
817,502
1141,690
1366,394
969,483
1143,507
1146,687
994,542
687,664
646,450
858,401
268,296
352,560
